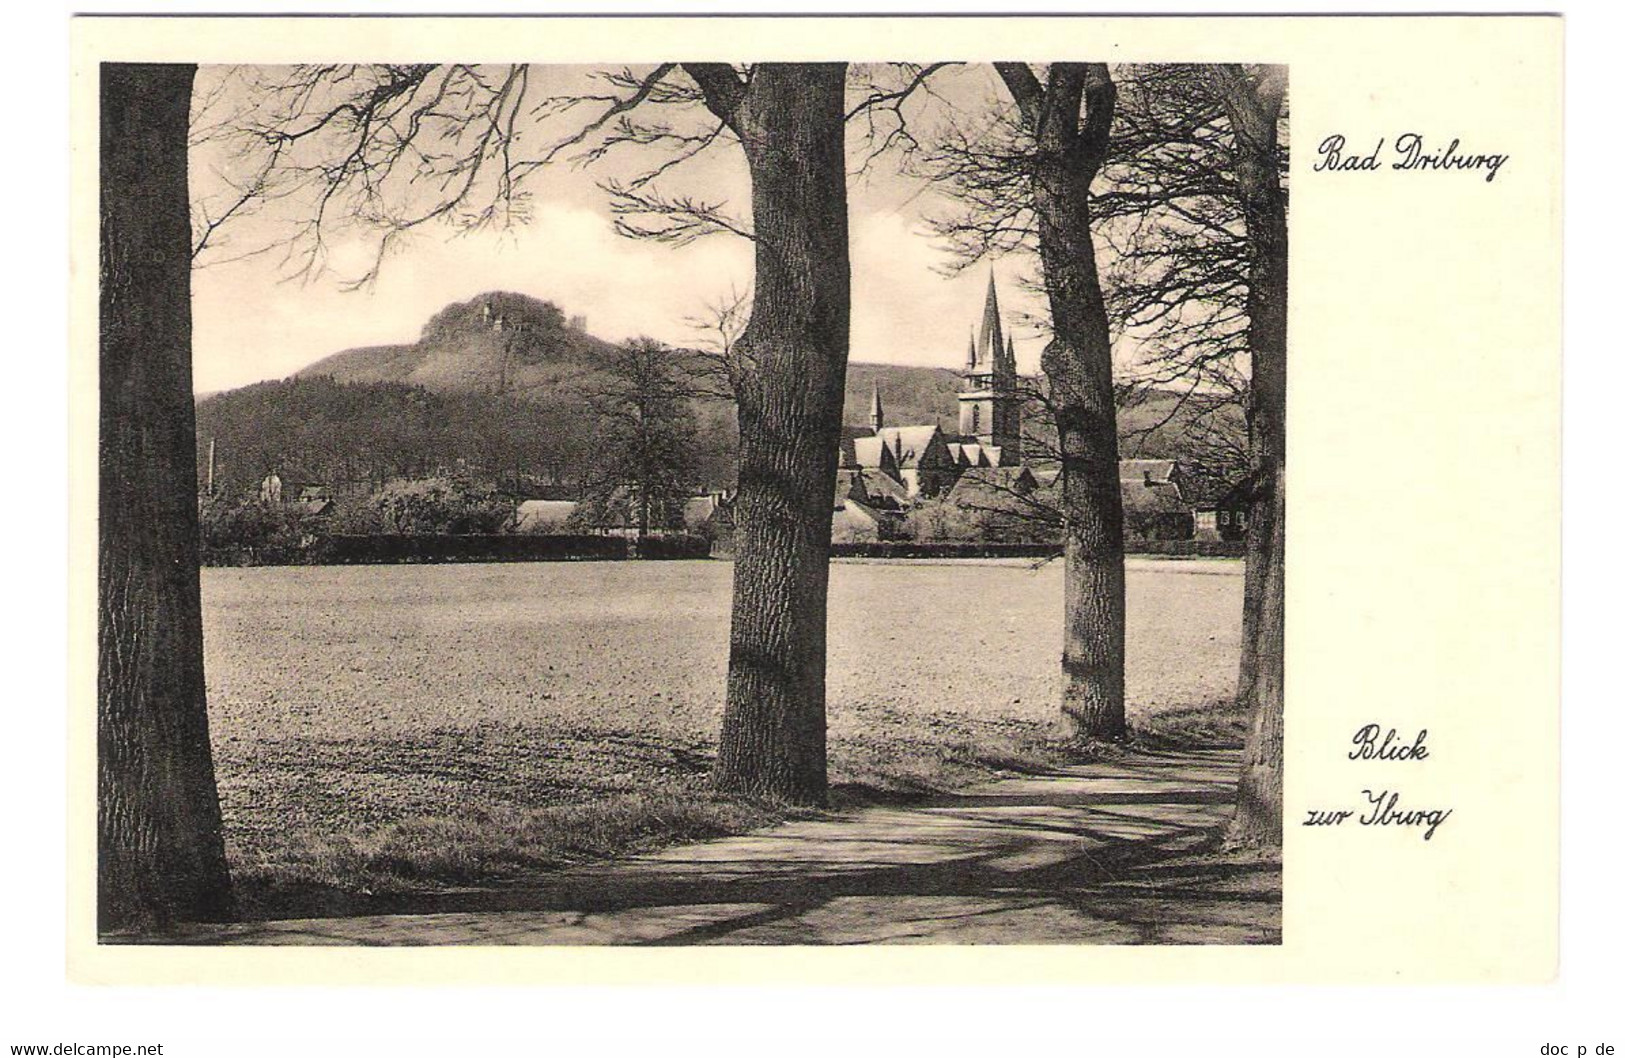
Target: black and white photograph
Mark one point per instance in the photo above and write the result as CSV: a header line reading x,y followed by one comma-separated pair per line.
x,y
692,503
750,529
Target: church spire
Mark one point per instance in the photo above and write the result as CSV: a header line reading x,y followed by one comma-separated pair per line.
x,y
990,340
989,400
877,415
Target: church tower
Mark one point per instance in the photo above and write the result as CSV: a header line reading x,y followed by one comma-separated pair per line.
x,y
989,397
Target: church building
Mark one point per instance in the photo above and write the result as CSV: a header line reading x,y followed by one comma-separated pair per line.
x,y
905,463
885,470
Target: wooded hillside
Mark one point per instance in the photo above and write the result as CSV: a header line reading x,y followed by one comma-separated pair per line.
x,y
493,388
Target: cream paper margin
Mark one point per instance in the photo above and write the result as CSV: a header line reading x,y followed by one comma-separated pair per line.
x,y
1423,549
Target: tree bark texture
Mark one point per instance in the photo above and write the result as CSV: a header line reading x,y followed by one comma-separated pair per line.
x,y
1257,820
1069,118
1252,101
790,381
161,856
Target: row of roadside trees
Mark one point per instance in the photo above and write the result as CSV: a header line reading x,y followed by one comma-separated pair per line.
x,y
358,141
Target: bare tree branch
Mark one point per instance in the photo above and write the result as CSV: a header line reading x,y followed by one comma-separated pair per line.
x,y
723,87
384,151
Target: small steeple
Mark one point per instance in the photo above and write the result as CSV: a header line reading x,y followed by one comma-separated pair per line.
x,y
970,353
1010,356
877,415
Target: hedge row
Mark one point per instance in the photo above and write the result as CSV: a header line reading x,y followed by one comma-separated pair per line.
x,y
679,545
941,549
1189,548
252,556
375,549
341,550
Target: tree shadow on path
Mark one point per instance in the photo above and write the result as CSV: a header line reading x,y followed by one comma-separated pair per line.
x,y
1118,852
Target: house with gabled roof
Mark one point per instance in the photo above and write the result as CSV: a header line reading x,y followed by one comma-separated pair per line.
x,y
301,498
1159,500
854,521
542,516
1223,513
982,482
1154,504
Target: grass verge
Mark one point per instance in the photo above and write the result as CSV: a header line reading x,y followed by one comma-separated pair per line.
x,y
482,846
306,871
1215,725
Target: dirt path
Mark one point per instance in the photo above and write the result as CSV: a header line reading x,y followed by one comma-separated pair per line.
x,y
1105,853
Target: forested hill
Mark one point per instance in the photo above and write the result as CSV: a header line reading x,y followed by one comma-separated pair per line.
x,y
498,342
363,434
493,387
511,344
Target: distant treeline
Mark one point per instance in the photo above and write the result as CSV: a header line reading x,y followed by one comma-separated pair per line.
x,y
355,437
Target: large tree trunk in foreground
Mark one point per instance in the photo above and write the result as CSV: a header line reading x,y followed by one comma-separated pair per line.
x,y
1252,101
160,852
1257,820
1252,602
790,380
1078,364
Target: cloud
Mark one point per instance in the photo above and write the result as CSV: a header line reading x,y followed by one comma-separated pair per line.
x,y
904,311
248,326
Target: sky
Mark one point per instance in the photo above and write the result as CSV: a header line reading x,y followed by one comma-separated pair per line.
x,y
251,323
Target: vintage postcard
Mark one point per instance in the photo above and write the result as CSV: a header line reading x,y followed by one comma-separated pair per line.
x,y
564,499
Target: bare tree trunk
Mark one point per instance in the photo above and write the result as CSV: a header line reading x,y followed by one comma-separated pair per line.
x,y
160,852
790,380
1078,364
1252,101
1257,820
1252,602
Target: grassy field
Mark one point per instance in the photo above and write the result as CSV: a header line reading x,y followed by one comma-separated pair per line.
x,y
384,727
